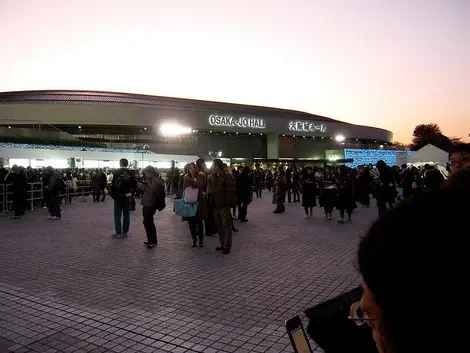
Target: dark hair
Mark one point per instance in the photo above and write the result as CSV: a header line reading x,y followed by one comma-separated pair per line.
x,y
199,163
412,259
381,164
460,147
217,163
189,166
460,179
124,163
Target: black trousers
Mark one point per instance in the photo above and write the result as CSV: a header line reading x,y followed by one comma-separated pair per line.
x,y
210,223
96,195
196,228
280,206
296,194
341,212
149,224
242,210
54,204
18,205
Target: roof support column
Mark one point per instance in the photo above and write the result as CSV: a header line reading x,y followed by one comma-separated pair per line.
x,y
272,146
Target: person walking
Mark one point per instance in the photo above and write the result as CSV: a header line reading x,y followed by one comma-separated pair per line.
x,y
222,190
122,187
153,191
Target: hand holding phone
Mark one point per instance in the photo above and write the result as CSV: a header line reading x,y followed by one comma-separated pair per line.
x,y
297,335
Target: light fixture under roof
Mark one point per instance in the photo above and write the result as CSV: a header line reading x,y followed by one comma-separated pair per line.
x,y
174,130
339,138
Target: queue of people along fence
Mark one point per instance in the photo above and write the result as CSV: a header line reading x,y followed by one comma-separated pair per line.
x,y
401,258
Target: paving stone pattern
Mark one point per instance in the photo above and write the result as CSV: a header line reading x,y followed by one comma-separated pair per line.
x,y
67,286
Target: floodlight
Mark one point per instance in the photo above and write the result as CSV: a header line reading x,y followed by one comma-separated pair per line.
x,y
174,130
339,138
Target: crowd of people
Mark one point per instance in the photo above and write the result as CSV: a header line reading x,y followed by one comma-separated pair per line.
x,y
224,195
401,259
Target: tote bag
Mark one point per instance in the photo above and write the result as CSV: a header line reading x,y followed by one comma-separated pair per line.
x,y
185,209
190,194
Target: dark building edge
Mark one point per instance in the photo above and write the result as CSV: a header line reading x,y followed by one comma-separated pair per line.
x,y
132,99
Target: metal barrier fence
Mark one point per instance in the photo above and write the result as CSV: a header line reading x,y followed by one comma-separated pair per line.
x,y
36,195
34,192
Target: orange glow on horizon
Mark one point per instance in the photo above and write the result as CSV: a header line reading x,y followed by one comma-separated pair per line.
x,y
391,65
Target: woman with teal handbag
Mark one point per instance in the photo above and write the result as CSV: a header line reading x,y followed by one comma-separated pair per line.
x,y
192,206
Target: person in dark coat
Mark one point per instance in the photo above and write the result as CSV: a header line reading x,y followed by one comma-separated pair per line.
x,y
309,195
98,183
17,178
386,189
364,179
281,188
244,186
345,200
328,192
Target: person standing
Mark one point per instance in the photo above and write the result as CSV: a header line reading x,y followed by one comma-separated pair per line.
x,y
122,187
258,181
17,177
195,179
288,179
222,190
153,191
281,186
98,183
328,192
386,189
53,193
244,186
309,195
345,199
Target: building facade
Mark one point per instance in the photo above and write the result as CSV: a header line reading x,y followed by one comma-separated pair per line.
x,y
236,131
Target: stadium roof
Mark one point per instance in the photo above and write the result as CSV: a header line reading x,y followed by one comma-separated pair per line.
x,y
73,97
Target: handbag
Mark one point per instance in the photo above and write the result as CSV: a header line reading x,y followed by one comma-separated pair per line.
x,y
400,192
185,209
190,194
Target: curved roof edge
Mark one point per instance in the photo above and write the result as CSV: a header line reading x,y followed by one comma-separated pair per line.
x,y
144,100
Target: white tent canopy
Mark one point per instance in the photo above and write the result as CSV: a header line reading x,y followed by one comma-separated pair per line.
x,y
429,154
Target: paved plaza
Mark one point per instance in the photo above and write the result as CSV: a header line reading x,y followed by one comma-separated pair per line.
x,y
67,286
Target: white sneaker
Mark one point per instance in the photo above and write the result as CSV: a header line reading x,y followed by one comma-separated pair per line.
x,y
49,217
55,218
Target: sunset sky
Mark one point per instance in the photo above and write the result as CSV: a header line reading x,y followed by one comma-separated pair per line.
x,y
386,63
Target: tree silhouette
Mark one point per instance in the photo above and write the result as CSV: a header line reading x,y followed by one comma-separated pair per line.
x,y
424,134
399,146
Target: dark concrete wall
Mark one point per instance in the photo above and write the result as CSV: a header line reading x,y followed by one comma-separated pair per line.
x,y
231,146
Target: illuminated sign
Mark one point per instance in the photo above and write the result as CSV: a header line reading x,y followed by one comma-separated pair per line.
x,y
243,122
306,126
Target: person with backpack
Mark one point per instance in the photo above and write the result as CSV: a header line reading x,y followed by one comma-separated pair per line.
x,y
153,199
122,187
